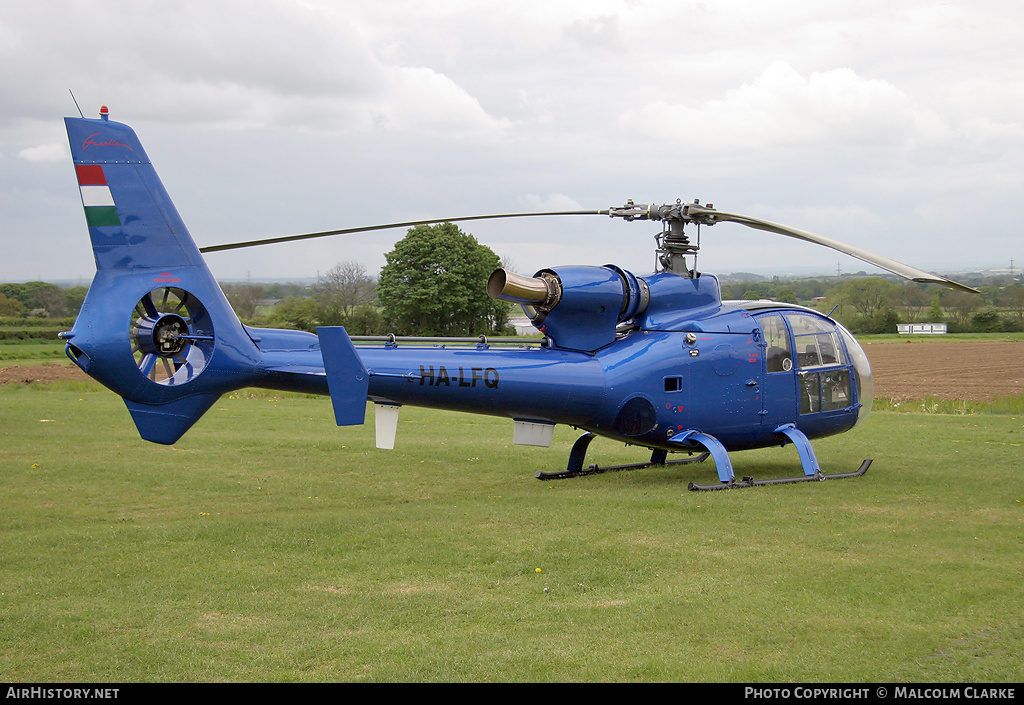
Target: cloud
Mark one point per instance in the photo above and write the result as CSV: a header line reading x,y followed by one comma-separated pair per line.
x,y
276,116
781,109
420,100
265,64
551,202
595,32
54,152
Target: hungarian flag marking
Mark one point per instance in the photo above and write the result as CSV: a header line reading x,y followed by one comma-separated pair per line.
x,y
96,197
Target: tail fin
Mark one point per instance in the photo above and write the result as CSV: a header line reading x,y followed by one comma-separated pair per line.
x,y
132,221
155,326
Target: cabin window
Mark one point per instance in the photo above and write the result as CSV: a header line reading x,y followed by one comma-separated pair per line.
x,y
835,390
827,390
817,343
777,355
810,392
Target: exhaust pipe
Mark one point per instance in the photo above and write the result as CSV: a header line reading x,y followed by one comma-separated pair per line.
x,y
544,292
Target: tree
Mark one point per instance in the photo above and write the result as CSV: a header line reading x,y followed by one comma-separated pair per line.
x,y
9,306
345,287
961,305
935,313
1013,299
867,295
243,298
365,320
37,296
987,320
295,312
786,295
73,299
434,283
913,299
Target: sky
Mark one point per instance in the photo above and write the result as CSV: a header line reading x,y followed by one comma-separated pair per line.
x,y
896,126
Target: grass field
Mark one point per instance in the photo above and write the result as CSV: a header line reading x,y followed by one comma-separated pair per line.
x,y
31,352
270,545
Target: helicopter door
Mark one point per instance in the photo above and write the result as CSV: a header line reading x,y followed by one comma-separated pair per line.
x,y
779,386
824,371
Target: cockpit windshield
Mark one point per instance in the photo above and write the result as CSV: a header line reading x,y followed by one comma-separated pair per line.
x,y
862,369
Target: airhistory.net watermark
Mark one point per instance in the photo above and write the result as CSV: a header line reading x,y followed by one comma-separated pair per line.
x,y
43,693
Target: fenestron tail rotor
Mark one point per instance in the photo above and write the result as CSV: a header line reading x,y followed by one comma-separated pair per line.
x,y
172,336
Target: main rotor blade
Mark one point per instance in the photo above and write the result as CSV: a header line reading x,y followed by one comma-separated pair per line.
x,y
369,228
885,263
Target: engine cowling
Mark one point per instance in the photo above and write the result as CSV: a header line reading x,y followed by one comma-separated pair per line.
x,y
578,307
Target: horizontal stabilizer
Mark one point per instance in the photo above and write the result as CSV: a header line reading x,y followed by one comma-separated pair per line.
x,y
347,378
166,423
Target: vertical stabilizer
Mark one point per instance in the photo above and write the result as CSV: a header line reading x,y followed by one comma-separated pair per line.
x,y
132,221
155,326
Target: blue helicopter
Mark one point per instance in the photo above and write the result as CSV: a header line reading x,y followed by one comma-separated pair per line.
x,y
658,361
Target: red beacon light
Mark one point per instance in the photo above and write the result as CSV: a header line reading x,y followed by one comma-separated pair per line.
x,y
104,112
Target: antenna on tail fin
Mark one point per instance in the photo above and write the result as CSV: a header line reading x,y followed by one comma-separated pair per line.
x,y
80,113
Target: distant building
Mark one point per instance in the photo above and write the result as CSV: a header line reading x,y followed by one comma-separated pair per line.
x,y
522,325
921,328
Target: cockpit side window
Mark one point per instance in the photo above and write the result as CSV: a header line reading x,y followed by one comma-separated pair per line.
x,y
817,342
779,358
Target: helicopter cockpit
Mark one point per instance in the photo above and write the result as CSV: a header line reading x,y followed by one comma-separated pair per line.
x,y
820,352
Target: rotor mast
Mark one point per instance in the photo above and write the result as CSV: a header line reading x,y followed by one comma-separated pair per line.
x,y
673,245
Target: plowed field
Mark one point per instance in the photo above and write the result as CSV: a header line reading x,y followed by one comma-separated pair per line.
x,y
975,371
27,374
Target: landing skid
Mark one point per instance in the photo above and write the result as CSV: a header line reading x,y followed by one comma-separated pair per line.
x,y
574,467
751,482
715,450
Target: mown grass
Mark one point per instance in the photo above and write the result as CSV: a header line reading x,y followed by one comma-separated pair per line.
x,y
25,352
270,545
961,407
